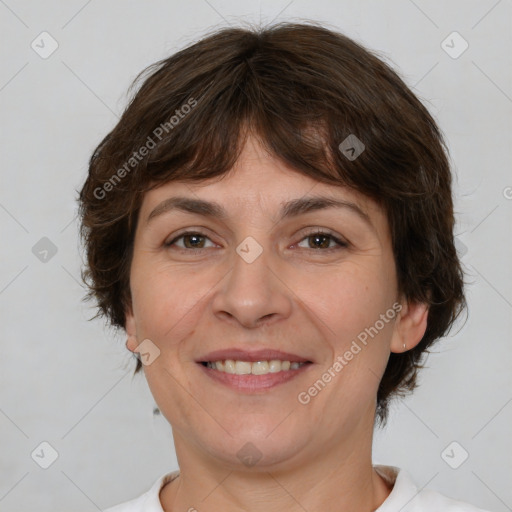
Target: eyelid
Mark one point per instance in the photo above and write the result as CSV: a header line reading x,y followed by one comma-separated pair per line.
x,y
339,240
326,231
188,231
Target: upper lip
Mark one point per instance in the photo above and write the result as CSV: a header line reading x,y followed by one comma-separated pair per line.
x,y
251,355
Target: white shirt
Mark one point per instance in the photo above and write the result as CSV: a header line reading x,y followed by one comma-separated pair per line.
x,y
404,497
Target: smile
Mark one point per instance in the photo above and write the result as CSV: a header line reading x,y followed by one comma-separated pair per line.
x,y
253,377
253,368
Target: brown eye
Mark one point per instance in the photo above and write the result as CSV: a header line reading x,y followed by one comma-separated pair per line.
x,y
191,240
323,240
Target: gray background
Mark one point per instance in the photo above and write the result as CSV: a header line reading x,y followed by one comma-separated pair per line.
x,y
67,381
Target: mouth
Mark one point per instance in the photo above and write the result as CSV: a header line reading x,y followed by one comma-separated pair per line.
x,y
238,367
250,371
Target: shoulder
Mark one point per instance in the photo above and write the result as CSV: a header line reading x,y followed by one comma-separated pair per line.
x,y
147,502
406,497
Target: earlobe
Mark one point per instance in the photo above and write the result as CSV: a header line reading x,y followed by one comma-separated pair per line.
x,y
410,326
131,331
131,343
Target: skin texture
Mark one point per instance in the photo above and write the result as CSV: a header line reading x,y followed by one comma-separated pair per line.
x,y
294,297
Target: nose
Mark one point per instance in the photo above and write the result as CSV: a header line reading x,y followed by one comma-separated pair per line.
x,y
252,293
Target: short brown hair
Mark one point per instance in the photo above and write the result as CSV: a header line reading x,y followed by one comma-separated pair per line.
x,y
302,89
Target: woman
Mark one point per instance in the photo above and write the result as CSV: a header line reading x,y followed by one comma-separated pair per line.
x,y
271,223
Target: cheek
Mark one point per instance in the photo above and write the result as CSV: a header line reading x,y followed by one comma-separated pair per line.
x,y
343,300
166,301
350,299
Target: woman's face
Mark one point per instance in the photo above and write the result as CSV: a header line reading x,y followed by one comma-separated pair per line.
x,y
256,279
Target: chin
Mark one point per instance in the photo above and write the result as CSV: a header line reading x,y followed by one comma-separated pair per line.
x,y
256,445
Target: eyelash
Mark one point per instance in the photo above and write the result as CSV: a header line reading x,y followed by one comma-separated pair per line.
x,y
341,244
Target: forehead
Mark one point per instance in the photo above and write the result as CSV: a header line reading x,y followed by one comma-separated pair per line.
x,y
258,180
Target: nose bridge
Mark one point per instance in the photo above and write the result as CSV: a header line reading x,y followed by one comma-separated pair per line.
x,y
251,290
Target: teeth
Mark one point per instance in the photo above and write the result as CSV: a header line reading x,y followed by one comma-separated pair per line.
x,y
256,368
229,366
242,368
275,366
260,368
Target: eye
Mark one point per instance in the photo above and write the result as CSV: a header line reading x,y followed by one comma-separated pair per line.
x,y
191,239
322,239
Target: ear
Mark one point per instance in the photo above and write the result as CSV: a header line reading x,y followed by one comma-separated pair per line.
x,y
410,326
131,331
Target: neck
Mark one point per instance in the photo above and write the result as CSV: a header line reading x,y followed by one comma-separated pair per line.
x,y
338,478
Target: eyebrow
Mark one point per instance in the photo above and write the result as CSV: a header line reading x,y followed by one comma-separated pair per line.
x,y
292,208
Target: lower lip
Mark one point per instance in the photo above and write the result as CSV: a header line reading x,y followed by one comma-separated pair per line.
x,y
251,383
